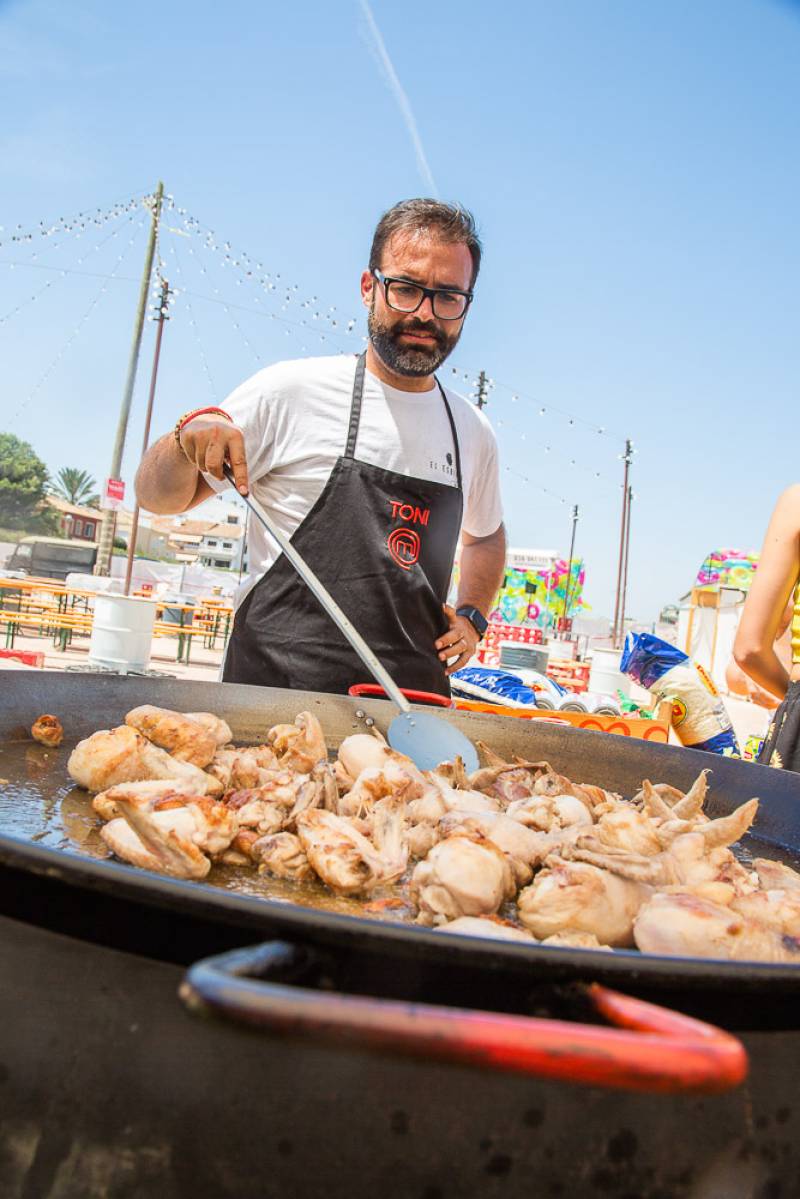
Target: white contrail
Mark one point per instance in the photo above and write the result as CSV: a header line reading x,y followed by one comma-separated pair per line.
x,y
396,88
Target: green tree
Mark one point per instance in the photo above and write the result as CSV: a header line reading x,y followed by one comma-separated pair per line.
x,y
23,485
76,486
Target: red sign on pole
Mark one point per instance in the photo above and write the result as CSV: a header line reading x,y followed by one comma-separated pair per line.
x,y
113,494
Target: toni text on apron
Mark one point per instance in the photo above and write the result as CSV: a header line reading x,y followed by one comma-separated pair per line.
x,y
383,544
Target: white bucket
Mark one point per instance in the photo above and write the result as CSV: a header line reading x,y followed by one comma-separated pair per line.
x,y
122,633
605,674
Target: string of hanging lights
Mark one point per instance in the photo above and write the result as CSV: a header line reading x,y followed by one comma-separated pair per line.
x,y
72,336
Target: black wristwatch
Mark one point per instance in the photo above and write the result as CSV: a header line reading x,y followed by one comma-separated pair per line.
x,y
475,618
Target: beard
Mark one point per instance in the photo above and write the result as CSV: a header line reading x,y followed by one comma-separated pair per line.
x,y
409,360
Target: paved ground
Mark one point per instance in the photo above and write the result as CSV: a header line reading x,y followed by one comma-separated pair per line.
x,y
204,663
747,718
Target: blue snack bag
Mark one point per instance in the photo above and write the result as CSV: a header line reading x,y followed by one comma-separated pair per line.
x,y
699,716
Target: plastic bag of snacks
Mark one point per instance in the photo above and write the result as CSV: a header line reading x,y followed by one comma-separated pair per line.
x,y
492,686
752,747
699,716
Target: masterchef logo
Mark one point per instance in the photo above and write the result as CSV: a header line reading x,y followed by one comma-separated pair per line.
x,y
404,543
404,546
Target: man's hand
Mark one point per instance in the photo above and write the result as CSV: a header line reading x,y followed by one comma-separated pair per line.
x,y
208,441
461,638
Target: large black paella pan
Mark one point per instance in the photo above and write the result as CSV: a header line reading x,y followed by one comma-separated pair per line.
x,y
91,948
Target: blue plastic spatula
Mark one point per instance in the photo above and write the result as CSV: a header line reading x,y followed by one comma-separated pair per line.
x,y
422,736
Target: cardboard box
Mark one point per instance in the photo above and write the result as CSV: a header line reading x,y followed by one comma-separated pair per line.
x,y
657,730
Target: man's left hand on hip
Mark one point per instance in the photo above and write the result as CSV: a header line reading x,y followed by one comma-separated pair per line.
x,y
460,639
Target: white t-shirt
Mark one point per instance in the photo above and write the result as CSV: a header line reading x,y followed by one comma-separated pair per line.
x,y
295,416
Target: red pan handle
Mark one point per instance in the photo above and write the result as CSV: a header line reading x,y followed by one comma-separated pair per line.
x,y
652,1048
415,697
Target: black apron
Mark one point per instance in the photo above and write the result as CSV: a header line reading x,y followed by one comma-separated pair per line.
x,y
383,544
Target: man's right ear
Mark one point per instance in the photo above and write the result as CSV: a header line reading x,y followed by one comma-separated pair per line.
x,y
367,284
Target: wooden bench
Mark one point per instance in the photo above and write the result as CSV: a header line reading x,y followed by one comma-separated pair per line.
x,y
62,625
184,633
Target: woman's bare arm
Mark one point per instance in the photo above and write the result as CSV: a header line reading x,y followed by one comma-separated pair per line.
x,y
776,576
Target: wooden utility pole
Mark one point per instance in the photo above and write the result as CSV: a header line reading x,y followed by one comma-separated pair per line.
x,y
483,391
627,458
105,548
160,316
569,567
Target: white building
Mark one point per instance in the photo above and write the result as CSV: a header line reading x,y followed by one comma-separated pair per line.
x,y
222,545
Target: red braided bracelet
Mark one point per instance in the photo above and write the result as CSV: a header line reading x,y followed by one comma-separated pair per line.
x,y
187,416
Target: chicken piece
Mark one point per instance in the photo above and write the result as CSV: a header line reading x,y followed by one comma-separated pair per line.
x,y
396,776
452,774
598,800
653,802
283,856
524,847
348,861
507,781
257,809
301,745
182,837
696,856
687,925
486,926
568,810
575,940
361,751
667,804
122,755
421,839
276,804
240,850
464,875
104,803
776,876
775,908
238,768
185,739
535,811
425,813
576,897
162,850
661,795
626,829
47,730
128,847
219,729
690,807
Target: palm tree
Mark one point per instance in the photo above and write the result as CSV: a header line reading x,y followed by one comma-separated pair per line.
x,y
76,486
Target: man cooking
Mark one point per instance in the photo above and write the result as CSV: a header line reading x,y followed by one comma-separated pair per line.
x,y
372,468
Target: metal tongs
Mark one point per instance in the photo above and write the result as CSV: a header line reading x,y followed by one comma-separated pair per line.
x,y
422,736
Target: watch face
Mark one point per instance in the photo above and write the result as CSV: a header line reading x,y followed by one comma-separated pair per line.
x,y
477,619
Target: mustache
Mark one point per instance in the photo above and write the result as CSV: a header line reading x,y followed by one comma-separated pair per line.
x,y
422,327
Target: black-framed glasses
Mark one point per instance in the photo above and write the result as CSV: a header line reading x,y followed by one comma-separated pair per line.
x,y
403,296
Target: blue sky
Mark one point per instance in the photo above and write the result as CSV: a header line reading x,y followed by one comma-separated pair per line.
x,y
633,168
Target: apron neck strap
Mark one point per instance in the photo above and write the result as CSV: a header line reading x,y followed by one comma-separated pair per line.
x,y
355,407
355,415
455,435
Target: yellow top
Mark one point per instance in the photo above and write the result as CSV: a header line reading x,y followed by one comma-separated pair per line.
x,y
795,626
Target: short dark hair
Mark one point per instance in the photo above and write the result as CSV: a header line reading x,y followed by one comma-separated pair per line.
x,y
449,222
